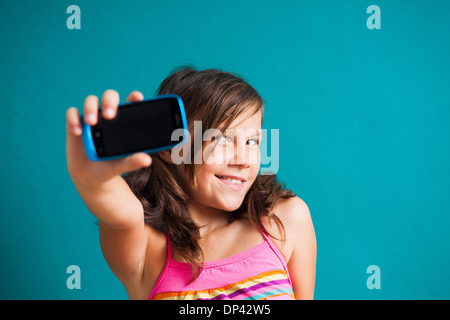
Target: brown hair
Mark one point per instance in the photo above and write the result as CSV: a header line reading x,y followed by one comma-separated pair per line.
x,y
214,97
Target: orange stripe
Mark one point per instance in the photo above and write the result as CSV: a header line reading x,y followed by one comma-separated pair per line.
x,y
279,294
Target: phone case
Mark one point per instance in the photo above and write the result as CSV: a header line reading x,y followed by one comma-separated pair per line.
x,y
88,142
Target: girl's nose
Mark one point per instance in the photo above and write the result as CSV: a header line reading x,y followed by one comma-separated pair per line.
x,y
240,156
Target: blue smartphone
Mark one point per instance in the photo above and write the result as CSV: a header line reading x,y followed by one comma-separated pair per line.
x,y
144,126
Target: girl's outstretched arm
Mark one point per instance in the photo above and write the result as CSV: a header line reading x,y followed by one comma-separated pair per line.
x,y
123,234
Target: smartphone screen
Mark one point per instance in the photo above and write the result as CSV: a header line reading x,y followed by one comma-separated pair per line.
x,y
138,127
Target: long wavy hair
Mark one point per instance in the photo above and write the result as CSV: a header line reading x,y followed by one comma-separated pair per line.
x,y
214,97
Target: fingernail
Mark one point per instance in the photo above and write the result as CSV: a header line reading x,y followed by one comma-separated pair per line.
x,y
90,118
109,113
76,130
148,161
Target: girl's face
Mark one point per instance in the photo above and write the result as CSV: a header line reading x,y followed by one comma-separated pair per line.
x,y
231,163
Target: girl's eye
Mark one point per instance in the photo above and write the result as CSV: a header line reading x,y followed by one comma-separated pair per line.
x,y
221,138
225,139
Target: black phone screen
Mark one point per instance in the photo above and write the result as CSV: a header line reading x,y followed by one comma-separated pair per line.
x,y
137,127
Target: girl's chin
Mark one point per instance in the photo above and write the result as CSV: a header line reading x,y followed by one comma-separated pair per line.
x,y
220,204
230,207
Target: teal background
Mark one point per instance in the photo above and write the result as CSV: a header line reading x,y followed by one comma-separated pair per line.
x,y
363,118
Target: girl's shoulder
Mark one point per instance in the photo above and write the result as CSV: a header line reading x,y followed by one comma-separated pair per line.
x,y
295,216
292,210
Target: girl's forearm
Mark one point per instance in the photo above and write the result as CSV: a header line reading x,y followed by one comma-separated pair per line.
x,y
112,202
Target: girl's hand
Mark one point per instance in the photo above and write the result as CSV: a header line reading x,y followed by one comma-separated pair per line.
x,y
82,169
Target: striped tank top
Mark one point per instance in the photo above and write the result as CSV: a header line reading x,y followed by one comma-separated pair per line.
x,y
259,273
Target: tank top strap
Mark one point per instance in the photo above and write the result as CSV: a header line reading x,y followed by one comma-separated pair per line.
x,y
275,249
166,266
266,236
169,248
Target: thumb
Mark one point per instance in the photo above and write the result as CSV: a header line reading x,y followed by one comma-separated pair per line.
x,y
131,163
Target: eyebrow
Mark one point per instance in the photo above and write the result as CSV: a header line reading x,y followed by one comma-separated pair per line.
x,y
258,132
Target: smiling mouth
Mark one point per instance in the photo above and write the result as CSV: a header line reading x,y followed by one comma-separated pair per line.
x,y
232,179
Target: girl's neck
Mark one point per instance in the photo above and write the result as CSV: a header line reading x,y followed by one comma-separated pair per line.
x,y
207,218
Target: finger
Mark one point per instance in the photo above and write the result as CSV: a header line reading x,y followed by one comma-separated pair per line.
x,y
74,143
110,102
132,163
135,96
91,110
73,122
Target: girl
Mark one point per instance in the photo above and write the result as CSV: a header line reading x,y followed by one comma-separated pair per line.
x,y
209,230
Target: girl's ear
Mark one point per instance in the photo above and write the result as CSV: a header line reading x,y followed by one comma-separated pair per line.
x,y
166,156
